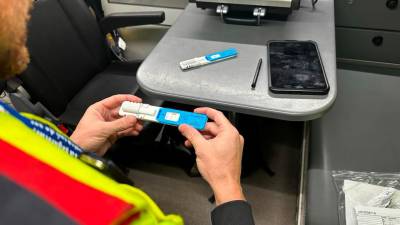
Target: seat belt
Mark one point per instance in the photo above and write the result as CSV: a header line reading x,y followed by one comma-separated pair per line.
x,y
21,100
114,40
3,85
97,8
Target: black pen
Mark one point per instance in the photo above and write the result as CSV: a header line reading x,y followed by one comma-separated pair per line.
x,y
253,85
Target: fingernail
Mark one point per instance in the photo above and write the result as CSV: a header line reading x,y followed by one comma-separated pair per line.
x,y
132,119
182,127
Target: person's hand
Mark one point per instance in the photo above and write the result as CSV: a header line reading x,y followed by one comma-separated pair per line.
x,y
101,125
219,149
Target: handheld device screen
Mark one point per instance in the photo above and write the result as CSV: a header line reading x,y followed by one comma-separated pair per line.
x,y
295,67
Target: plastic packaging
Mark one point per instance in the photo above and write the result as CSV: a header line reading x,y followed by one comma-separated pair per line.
x,y
369,190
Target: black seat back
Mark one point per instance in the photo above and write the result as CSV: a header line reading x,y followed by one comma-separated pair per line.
x,y
67,49
2,86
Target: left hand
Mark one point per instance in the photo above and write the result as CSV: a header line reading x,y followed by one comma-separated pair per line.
x,y
101,125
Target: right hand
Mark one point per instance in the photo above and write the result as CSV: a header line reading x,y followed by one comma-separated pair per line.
x,y
219,149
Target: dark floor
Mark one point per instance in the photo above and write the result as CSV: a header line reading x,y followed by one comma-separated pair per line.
x,y
273,197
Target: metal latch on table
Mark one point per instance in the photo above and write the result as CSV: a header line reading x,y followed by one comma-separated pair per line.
x,y
258,12
222,10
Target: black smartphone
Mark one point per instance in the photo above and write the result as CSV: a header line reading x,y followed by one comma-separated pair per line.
x,y
295,67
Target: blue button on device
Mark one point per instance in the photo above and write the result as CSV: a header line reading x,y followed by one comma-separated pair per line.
x,y
229,53
177,117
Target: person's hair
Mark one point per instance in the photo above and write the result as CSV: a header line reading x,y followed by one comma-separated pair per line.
x,y
14,55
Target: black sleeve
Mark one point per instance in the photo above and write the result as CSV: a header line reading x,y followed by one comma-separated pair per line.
x,y
233,213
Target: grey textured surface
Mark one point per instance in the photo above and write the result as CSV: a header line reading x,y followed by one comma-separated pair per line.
x,y
226,85
361,133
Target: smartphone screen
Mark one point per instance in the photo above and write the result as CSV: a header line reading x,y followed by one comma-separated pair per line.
x,y
295,67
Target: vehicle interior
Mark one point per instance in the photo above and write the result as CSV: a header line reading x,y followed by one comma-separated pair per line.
x,y
294,143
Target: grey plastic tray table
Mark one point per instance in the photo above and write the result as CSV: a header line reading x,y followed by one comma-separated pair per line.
x,y
226,85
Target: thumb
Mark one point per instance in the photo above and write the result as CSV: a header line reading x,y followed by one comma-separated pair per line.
x,y
192,135
121,124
